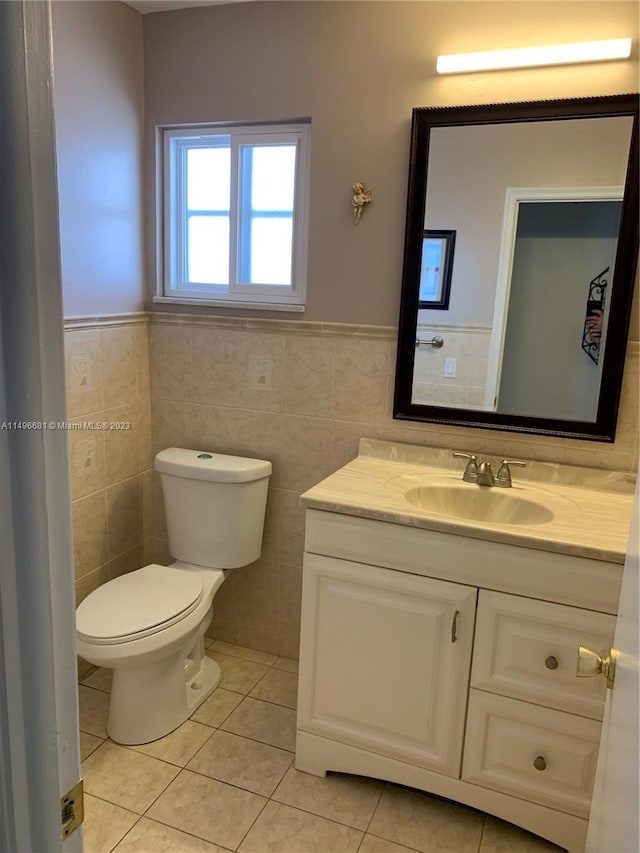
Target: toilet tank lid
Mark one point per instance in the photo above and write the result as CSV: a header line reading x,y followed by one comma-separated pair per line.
x,y
215,467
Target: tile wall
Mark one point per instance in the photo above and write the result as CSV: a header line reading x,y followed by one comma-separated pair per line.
x,y
301,395
107,382
469,345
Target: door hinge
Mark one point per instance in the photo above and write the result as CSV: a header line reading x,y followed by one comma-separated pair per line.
x,y
71,810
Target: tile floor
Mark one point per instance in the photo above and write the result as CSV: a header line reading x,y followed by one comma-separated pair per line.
x,y
225,781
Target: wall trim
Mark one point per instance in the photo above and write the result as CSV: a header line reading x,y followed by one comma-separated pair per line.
x,y
305,327
130,319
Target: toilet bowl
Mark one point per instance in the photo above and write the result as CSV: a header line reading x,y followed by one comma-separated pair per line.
x,y
149,625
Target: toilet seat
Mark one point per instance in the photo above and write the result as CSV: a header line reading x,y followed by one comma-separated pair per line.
x,y
138,604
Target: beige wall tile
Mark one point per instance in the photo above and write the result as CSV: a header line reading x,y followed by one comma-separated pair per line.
x,y
360,379
289,597
308,375
241,432
259,635
292,528
289,644
222,628
170,362
238,368
82,369
256,597
145,453
118,366
124,516
305,451
142,361
122,446
125,563
172,425
86,460
89,519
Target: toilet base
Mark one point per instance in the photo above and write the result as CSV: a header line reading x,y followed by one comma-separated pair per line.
x,y
149,702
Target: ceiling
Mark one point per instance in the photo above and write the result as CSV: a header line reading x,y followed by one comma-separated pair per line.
x,y
146,6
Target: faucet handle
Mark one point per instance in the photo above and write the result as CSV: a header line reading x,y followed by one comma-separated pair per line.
x,y
471,471
503,477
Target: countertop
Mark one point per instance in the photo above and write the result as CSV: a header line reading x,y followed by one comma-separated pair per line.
x,y
591,509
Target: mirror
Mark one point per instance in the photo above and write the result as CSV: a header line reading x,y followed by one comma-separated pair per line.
x,y
542,198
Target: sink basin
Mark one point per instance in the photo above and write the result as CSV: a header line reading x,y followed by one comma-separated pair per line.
x,y
478,503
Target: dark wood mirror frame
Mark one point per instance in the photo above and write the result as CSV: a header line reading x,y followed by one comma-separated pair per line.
x,y
424,119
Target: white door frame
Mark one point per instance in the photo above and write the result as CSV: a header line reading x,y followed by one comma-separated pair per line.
x,y
39,744
514,197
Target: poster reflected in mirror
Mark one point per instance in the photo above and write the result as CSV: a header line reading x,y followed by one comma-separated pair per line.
x,y
435,269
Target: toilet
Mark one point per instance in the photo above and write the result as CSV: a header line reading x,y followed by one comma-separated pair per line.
x,y
149,625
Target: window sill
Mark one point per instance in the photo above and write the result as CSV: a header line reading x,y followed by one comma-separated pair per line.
x,y
230,303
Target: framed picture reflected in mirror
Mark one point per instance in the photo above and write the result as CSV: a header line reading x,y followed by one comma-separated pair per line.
x,y
435,269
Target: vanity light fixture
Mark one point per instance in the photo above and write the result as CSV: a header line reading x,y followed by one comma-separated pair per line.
x,y
526,57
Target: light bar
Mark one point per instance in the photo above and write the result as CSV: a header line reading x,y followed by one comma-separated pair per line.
x,y
527,57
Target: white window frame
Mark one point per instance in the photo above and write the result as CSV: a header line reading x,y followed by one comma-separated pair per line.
x,y
172,142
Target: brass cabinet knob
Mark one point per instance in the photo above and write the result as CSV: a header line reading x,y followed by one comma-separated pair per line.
x,y
591,663
540,763
551,662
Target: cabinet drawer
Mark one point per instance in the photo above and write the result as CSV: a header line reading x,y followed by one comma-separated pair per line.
x,y
528,649
544,756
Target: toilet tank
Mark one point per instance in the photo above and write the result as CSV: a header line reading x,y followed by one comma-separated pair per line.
x,y
214,506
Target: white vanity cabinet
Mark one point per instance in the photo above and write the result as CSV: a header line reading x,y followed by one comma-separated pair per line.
x,y
412,672
387,658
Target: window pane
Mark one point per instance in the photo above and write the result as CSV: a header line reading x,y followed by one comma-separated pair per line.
x,y
208,255
273,179
271,241
208,178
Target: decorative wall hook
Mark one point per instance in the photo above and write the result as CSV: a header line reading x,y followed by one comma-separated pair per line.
x,y
361,196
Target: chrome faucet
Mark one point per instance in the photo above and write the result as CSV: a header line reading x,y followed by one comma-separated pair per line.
x,y
471,471
485,475
481,473
503,477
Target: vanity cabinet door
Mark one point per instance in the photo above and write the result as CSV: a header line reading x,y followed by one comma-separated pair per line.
x,y
384,661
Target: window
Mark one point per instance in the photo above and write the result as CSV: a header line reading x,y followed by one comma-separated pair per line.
x,y
235,212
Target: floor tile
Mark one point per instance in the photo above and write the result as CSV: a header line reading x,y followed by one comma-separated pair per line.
x,y
265,722
277,686
148,836
242,652
94,710
371,844
179,746
100,679
237,674
207,808
426,823
287,664
126,778
242,762
346,799
500,837
217,707
281,829
104,824
88,744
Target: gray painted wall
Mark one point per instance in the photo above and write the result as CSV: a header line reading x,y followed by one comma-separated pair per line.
x,y
99,106
357,68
